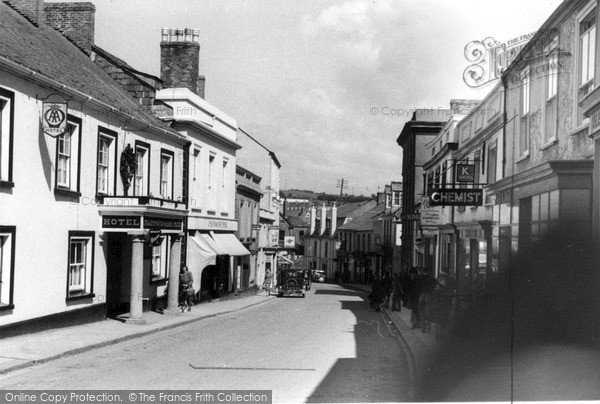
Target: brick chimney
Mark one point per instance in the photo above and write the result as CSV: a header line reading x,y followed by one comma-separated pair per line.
x,y
180,59
33,10
76,21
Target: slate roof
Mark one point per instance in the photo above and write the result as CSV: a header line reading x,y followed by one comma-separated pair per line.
x,y
365,221
48,53
296,221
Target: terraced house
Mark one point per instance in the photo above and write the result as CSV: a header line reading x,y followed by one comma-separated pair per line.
x,y
141,179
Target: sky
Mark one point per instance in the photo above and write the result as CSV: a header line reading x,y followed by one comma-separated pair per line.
x,y
318,81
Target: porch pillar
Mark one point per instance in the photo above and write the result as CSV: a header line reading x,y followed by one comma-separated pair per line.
x,y
137,280
174,267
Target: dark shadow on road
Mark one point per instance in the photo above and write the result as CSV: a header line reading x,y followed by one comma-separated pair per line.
x,y
375,374
336,292
539,339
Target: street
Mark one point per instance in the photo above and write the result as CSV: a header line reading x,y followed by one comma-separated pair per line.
x,y
328,347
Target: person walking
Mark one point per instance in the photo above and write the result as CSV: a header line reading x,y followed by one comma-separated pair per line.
x,y
388,287
413,298
396,293
186,291
268,283
427,285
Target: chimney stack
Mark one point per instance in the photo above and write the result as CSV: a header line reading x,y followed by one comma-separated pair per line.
x,y
33,10
76,21
180,59
333,219
323,219
313,220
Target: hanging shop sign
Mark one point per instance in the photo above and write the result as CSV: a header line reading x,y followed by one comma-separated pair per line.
x,y
54,118
465,172
289,242
456,197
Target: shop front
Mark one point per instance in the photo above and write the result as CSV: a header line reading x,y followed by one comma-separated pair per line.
x,y
472,272
215,256
142,244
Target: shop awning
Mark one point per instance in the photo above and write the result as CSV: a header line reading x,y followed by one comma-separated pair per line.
x,y
216,247
230,243
200,255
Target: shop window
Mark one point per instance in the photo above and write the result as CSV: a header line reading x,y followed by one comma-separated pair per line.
x,y
107,162
141,179
81,264
68,154
166,174
6,134
7,266
159,258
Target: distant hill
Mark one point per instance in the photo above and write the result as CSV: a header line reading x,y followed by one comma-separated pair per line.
x,y
314,196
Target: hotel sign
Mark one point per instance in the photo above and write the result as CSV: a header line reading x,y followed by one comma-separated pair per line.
x,y
456,197
121,222
54,118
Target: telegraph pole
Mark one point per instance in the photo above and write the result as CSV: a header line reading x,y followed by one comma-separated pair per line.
x,y
342,184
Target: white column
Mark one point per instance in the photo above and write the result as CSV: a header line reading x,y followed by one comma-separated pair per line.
x,y
174,267
137,280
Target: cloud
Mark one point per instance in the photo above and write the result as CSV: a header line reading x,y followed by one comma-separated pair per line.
x,y
357,27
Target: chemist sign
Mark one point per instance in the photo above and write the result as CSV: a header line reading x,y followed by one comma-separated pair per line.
x,y
456,197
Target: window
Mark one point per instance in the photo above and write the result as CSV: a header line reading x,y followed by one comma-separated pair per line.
x,y
160,260
551,106
7,266
396,200
525,92
587,55
81,264
6,134
68,152
141,180
491,162
211,177
587,46
166,174
477,162
107,162
224,185
196,191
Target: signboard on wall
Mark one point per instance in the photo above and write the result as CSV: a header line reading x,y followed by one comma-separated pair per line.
x,y
456,197
465,172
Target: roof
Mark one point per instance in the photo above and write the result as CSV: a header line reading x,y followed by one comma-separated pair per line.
x,y
296,221
50,55
354,209
365,221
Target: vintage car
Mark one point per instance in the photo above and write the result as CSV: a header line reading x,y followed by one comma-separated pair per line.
x,y
318,276
292,282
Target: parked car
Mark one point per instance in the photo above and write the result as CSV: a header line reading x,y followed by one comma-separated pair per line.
x,y
318,276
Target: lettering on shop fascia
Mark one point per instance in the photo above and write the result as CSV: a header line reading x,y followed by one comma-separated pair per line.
x,y
159,223
121,222
456,197
218,224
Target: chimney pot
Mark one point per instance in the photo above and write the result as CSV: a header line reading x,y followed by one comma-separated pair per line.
x,y
188,34
165,34
179,61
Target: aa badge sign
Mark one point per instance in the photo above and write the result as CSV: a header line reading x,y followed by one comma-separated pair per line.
x,y
54,118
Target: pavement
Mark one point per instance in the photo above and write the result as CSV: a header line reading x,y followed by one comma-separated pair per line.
x,y
30,349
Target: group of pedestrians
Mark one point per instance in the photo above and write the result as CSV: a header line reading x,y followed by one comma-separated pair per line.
x,y
429,299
